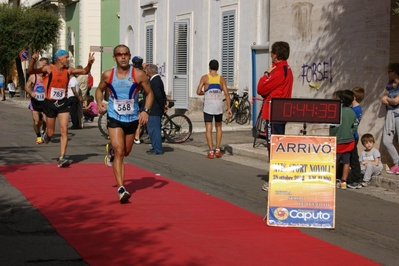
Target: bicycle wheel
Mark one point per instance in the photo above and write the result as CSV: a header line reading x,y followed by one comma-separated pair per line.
x,y
102,124
233,111
243,113
177,128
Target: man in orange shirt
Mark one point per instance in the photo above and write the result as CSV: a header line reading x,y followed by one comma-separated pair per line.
x,y
55,81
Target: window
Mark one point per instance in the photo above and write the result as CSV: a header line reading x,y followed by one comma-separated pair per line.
x,y
180,48
228,43
149,51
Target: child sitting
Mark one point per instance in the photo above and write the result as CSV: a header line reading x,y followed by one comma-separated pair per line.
x,y
370,159
11,88
90,110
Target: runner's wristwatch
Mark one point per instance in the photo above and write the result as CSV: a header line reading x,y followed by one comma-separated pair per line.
x,y
147,110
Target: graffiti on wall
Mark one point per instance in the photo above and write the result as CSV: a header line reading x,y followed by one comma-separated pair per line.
x,y
317,72
161,69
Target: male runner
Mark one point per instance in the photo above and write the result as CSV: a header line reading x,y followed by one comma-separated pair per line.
x,y
123,84
34,87
55,90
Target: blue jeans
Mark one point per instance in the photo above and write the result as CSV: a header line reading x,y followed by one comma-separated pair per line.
x,y
154,130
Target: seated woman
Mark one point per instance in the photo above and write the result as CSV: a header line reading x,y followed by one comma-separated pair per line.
x,y
90,110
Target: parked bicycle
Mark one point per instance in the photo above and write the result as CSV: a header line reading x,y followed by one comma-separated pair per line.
x,y
258,131
176,128
240,109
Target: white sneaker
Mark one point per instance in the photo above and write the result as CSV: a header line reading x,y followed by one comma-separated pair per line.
x,y
265,186
137,141
124,196
109,158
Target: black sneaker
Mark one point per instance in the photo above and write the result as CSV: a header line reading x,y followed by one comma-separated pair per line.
x,y
354,185
45,138
63,162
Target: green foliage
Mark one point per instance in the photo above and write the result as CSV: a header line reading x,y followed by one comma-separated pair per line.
x,y
25,28
396,9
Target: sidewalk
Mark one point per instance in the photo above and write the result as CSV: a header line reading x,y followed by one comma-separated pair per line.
x,y
387,181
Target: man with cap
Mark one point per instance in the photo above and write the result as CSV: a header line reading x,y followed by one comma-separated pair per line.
x,y
55,81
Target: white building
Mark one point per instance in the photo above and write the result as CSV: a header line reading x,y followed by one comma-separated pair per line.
x,y
335,44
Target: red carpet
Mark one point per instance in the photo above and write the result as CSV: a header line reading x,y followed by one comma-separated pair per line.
x,y
165,223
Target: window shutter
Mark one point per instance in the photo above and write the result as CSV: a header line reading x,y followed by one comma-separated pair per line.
x,y
149,51
228,44
180,64
180,49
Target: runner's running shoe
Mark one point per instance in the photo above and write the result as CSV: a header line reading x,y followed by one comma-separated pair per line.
x,y
45,138
218,153
39,140
109,158
124,196
63,162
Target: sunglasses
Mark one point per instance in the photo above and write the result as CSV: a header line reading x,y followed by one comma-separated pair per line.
x,y
121,54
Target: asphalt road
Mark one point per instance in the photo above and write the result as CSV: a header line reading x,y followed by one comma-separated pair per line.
x,y
365,224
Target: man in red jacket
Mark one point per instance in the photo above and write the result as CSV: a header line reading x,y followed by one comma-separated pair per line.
x,y
275,83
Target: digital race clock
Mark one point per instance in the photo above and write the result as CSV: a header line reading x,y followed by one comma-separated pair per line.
x,y
305,110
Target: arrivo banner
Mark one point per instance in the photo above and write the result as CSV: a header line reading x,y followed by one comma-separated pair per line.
x,y
302,181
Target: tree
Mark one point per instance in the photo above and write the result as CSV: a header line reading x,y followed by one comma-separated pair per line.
x,y
396,9
25,28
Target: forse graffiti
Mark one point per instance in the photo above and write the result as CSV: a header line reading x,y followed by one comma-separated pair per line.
x,y
317,72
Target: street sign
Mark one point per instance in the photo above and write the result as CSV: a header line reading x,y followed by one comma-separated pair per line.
x,y
24,55
101,49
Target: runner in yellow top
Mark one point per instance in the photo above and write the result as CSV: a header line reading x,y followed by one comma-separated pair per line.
x,y
212,86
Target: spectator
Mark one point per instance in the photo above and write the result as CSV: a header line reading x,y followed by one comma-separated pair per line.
x,y
11,88
276,82
74,101
370,159
391,126
90,81
345,135
355,176
2,87
83,81
157,109
90,111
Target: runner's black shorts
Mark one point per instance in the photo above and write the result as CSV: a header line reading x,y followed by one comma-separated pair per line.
x,y
37,106
127,127
52,108
209,117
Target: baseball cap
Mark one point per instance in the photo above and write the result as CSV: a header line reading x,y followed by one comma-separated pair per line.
x,y
137,62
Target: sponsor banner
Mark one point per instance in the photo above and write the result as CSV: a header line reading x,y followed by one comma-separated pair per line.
x,y
301,217
302,181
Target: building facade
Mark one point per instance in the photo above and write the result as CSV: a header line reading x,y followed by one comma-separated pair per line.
x,y
335,45
88,26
